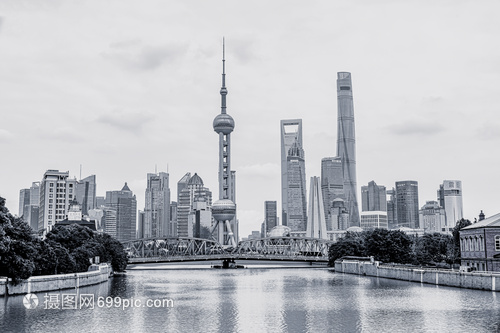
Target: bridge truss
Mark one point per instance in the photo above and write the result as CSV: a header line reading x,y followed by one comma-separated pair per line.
x,y
174,249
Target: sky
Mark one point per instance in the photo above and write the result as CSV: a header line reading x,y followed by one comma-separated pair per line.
x,y
124,87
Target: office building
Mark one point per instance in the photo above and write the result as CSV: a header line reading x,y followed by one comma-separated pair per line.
x,y
332,184
291,135
157,210
371,220
271,212
407,204
56,191
339,216
194,191
200,219
432,217
296,210
346,144
316,223
86,194
392,214
450,198
29,203
373,197
122,205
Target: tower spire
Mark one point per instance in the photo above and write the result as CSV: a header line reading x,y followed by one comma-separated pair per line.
x,y
223,90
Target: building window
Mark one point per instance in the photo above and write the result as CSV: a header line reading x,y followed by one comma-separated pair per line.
x,y
51,190
51,184
497,243
51,195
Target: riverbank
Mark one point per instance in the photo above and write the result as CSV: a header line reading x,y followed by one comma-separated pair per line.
x,y
100,273
469,280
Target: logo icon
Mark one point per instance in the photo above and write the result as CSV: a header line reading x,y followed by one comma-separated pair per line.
x,y
30,301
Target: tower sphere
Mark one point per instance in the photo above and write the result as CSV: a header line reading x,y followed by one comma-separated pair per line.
x,y
223,210
223,123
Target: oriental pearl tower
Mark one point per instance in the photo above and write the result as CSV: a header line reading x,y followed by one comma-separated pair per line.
x,y
224,209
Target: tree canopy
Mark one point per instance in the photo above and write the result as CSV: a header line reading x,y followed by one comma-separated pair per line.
x,y
65,249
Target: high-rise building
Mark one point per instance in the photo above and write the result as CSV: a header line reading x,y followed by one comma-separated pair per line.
x,y
224,209
346,144
200,219
271,215
296,210
371,220
140,224
432,217
157,210
407,204
194,191
316,223
56,191
373,197
450,198
332,185
100,201
173,217
339,216
86,194
291,134
29,203
124,205
392,214
24,201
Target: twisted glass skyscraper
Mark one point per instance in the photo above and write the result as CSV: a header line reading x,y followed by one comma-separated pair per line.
x,y
346,143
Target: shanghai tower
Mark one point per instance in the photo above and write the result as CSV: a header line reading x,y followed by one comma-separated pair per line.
x,y
346,144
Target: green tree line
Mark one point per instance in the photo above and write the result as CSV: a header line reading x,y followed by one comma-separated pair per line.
x,y
397,247
65,249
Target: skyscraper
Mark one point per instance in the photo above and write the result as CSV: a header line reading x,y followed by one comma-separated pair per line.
x,y
450,198
224,209
407,204
56,191
291,133
316,223
271,215
157,210
346,143
332,185
194,191
29,203
122,206
296,210
392,214
373,197
86,194
432,217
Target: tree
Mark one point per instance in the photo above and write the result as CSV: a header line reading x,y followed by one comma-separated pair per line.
x,y
17,248
434,248
389,245
462,223
349,245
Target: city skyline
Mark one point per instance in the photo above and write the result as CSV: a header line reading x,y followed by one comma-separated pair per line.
x,y
111,98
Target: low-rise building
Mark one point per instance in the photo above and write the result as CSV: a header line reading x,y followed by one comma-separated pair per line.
x,y
480,244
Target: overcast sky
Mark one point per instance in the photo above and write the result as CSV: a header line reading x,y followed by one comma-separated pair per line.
x,y
122,86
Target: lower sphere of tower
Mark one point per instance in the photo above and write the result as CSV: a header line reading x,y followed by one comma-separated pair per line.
x,y
223,123
223,210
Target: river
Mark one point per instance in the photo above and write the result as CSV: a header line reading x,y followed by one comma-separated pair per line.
x,y
257,299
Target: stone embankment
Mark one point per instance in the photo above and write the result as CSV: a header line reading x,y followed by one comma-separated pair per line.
x,y
470,280
99,273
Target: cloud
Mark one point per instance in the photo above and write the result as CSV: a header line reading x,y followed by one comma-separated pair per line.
x,y
417,128
133,54
488,132
260,170
62,134
242,48
126,121
5,135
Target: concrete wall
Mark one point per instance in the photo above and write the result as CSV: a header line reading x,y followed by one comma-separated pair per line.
x,y
55,282
481,280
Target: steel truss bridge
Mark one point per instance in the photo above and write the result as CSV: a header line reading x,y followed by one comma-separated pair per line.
x,y
177,249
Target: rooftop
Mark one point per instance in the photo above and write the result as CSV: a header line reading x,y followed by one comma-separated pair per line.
x,y
492,221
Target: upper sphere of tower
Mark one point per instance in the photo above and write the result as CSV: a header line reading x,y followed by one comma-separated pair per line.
x,y
223,123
